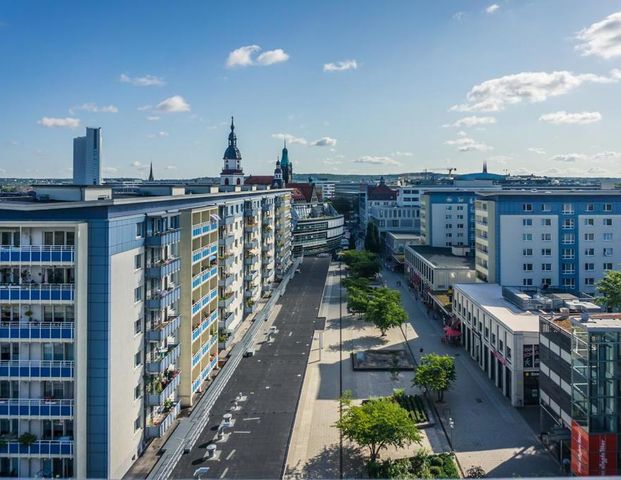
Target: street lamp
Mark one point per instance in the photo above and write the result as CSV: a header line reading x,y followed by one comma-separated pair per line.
x,y
451,424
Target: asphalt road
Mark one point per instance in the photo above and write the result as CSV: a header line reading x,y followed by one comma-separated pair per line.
x,y
271,380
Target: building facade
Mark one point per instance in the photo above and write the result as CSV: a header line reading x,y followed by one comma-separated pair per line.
x,y
87,158
447,217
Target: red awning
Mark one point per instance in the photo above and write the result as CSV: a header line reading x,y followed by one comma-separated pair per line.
x,y
451,332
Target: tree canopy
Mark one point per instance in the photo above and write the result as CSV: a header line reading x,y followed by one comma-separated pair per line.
x,y
361,263
609,287
384,309
372,239
435,373
377,424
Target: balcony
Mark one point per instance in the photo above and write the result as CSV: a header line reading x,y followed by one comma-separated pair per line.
x,y
204,325
33,330
37,369
202,302
251,291
38,254
40,448
204,228
160,360
163,268
227,240
224,302
33,292
204,276
227,260
251,227
160,299
161,239
251,244
250,276
204,252
166,387
226,281
163,421
33,407
251,211
251,260
158,332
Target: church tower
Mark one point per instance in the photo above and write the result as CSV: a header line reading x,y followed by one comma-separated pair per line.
x,y
232,173
286,165
151,173
277,182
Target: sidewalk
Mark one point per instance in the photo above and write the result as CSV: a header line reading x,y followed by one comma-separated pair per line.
x,y
488,431
314,450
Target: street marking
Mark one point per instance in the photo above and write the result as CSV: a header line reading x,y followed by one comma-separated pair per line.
x,y
224,471
228,457
241,431
251,418
290,333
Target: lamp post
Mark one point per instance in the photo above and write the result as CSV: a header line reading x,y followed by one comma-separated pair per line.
x,y
451,424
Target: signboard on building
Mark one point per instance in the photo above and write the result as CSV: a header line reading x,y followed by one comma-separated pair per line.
x,y
595,454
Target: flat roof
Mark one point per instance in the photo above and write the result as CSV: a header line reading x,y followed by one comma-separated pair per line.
x,y
595,322
403,236
543,192
488,296
443,257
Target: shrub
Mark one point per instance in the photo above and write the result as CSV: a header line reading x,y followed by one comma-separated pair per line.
x,y
436,472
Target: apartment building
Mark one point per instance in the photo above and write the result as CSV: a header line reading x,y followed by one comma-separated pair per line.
x,y
565,239
392,209
447,217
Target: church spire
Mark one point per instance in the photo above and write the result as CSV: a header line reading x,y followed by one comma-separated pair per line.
x,y
151,173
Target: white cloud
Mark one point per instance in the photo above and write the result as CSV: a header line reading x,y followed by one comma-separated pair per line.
x,y
340,66
144,81
271,57
466,144
402,154
153,118
171,167
602,39
377,160
246,56
496,94
537,150
51,122
472,121
160,134
493,8
140,166
569,157
92,107
291,139
564,118
173,104
324,142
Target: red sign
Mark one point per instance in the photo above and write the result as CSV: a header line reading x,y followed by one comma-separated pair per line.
x,y
595,454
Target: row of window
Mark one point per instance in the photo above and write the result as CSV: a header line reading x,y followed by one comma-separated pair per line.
x,y
569,238
567,208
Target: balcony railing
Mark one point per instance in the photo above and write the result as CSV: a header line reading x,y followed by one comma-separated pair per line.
x,y
200,303
159,361
205,325
163,268
251,211
160,239
251,260
38,254
162,330
33,330
163,422
31,407
226,281
203,252
224,302
204,228
227,240
204,276
160,299
153,399
33,292
40,448
227,260
37,368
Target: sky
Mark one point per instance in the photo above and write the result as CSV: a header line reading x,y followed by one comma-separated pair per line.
x,y
358,86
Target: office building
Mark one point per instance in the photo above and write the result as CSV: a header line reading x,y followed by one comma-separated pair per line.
x,y
87,158
447,217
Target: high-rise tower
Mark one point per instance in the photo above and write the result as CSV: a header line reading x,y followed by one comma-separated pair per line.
x,y
87,158
286,165
232,173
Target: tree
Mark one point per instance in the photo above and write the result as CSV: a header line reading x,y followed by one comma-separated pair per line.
x,y
384,310
435,373
609,288
361,263
475,471
358,300
377,424
372,241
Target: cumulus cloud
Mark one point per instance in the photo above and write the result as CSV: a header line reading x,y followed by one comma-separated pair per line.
x,y
324,142
496,94
402,154
173,104
144,81
377,160
537,150
564,118
153,118
472,121
92,107
246,56
602,39
51,122
464,143
493,8
340,66
569,157
291,139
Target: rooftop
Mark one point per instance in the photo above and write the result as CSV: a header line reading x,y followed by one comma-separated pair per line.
x,y
548,193
443,257
601,322
488,297
403,236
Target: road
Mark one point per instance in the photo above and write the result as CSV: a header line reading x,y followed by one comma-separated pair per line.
x,y
270,382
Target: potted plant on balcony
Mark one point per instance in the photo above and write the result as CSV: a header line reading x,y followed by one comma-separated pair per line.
x,y
27,439
168,403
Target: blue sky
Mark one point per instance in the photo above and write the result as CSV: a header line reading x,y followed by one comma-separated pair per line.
x,y
357,86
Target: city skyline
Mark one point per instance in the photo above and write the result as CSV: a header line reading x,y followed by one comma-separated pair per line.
x,y
525,87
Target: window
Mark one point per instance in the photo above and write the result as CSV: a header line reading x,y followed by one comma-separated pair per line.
x,y
140,229
607,266
527,237
607,237
527,252
589,267
568,253
508,353
137,392
568,208
527,282
589,281
607,207
568,238
137,294
589,222
589,252
546,252
527,267
546,281
568,268
546,237
589,237
449,225
590,207
137,358
448,217
608,222
527,207
546,267
138,261
568,223
138,326
527,222
546,222
607,252
569,283
137,424
545,207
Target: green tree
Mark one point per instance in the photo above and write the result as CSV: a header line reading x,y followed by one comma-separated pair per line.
x,y
372,241
361,263
377,424
435,373
358,300
609,288
384,310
